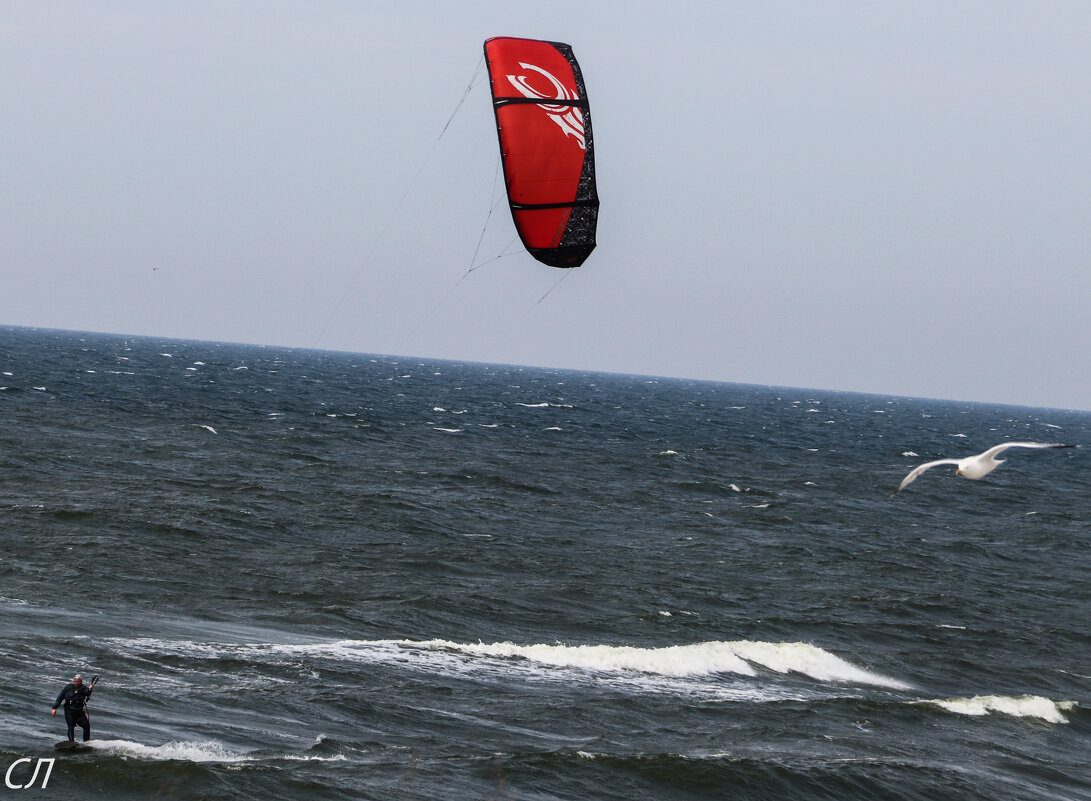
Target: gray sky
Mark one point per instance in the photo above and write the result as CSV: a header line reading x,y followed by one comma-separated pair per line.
x,y
879,197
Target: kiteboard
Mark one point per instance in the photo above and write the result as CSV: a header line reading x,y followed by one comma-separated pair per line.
x,y
70,745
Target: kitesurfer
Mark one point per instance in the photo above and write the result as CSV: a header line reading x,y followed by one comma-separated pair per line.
x,y
75,697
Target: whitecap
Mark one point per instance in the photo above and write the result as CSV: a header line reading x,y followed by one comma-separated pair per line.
x,y
194,751
698,659
1026,706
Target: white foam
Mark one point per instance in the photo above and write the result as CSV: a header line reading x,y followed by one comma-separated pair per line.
x,y
698,659
801,657
305,758
200,751
660,668
1026,706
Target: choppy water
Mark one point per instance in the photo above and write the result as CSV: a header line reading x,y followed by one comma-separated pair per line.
x,y
310,575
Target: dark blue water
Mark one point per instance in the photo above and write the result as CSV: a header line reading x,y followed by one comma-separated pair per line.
x,y
308,575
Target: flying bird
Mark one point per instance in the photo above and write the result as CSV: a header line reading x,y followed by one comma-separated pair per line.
x,y
977,466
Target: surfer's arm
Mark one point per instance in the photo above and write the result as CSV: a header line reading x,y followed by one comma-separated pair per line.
x,y
61,698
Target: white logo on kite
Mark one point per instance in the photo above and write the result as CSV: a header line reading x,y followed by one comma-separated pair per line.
x,y
567,117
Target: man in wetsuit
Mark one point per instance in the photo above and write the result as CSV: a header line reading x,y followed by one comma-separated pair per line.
x,y
75,697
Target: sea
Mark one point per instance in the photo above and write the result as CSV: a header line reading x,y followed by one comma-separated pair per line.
x,y
308,575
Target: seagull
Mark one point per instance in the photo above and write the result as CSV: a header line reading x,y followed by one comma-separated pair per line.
x,y
977,466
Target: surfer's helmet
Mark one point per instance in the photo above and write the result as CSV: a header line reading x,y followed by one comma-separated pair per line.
x,y
77,677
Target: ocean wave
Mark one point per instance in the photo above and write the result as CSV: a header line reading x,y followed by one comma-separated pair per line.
x,y
1026,706
198,751
696,660
682,661
195,751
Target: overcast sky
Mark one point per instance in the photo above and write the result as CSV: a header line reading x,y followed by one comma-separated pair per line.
x,y
879,197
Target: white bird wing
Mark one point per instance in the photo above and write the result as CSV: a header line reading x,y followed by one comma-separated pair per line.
x,y
916,471
1003,446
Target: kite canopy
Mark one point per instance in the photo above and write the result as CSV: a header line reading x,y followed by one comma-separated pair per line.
x,y
544,124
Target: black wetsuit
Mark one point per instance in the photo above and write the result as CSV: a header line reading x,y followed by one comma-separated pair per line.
x,y
75,709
